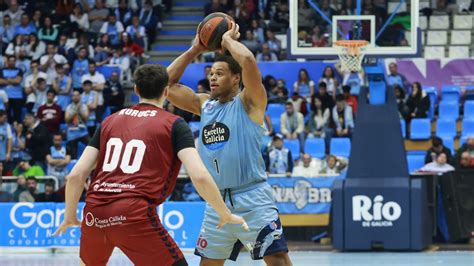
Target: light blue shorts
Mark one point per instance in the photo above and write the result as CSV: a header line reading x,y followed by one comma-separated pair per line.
x,y
257,206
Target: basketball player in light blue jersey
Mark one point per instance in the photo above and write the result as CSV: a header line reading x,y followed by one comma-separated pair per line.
x,y
229,144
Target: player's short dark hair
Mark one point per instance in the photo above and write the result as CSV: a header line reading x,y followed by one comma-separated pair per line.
x,y
51,91
322,84
436,141
289,104
92,62
234,66
346,88
151,80
32,178
49,183
11,56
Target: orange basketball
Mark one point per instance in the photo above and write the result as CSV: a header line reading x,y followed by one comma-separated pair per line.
x,y
212,28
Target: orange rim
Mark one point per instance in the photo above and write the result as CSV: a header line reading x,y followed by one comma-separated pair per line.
x,y
353,46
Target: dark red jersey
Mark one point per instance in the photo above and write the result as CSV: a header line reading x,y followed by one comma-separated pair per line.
x,y
138,149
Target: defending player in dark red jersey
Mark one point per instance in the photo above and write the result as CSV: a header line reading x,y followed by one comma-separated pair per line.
x,y
136,153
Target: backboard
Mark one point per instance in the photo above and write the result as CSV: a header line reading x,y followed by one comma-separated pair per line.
x,y
391,28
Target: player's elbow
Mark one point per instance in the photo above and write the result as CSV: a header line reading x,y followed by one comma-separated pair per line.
x,y
200,178
249,59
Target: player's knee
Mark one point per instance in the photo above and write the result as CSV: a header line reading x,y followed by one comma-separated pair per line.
x,y
278,259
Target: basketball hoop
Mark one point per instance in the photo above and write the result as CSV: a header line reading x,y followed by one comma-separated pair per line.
x,y
351,53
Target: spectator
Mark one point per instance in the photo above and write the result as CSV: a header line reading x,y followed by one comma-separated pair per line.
x,y
114,96
292,124
318,38
395,78
327,10
281,18
121,59
273,43
103,50
400,97
35,47
19,42
266,54
307,169
205,81
149,20
7,32
279,160
20,187
49,61
79,19
50,113
113,28
98,84
37,18
306,15
343,119
327,100
38,139
23,62
134,50
350,100
250,41
137,31
331,82
32,79
58,158
123,12
355,79
438,166
318,120
214,6
90,98
31,192
62,85
97,16
25,168
466,162
63,9
48,33
6,136
418,103
468,148
14,12
257,30
79,68
25,27
83,41
333,165
5,196
76,117
18,146
10,81
304,86
48,195
436,149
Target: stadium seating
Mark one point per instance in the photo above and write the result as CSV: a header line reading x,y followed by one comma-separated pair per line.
x,y
403,126
448,110
446,128
420,129
275,110
80,148
468,127
70,165
294,146
450,93
377,92
469,109
340,147
108,70
315,147
415,162
276,125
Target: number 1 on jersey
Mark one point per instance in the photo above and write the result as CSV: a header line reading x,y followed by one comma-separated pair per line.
x,y
217,166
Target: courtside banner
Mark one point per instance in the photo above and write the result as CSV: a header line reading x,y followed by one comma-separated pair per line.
x,y
298,195
26,224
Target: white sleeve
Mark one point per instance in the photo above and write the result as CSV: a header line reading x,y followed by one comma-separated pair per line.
x,y
100,79
311,83
103,29
43,59
142,30
119,26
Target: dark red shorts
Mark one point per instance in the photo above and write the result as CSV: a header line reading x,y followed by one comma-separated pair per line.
x,y
131,225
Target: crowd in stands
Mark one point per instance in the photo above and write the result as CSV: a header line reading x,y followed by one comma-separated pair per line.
x,y
62,71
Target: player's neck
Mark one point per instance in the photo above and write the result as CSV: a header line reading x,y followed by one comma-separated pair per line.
x,y
157,103
228,97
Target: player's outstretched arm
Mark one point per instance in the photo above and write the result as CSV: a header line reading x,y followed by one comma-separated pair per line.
x,y
206,187
75,186
254,95
179,95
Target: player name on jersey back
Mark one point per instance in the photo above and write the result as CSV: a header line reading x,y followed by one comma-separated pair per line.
x,y
136,113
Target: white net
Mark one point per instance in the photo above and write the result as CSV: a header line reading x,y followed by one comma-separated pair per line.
x,y
351,57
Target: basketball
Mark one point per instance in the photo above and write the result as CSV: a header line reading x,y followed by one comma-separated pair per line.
x,y
212,28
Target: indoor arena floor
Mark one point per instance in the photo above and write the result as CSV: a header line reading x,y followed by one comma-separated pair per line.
x,y
299,258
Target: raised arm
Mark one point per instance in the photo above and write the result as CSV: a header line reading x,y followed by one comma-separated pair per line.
x,y
254,95
179,95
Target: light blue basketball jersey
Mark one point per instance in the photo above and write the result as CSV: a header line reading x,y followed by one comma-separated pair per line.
x,y
229,144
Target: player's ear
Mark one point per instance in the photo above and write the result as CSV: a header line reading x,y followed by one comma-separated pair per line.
x,y
165,92
136,90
